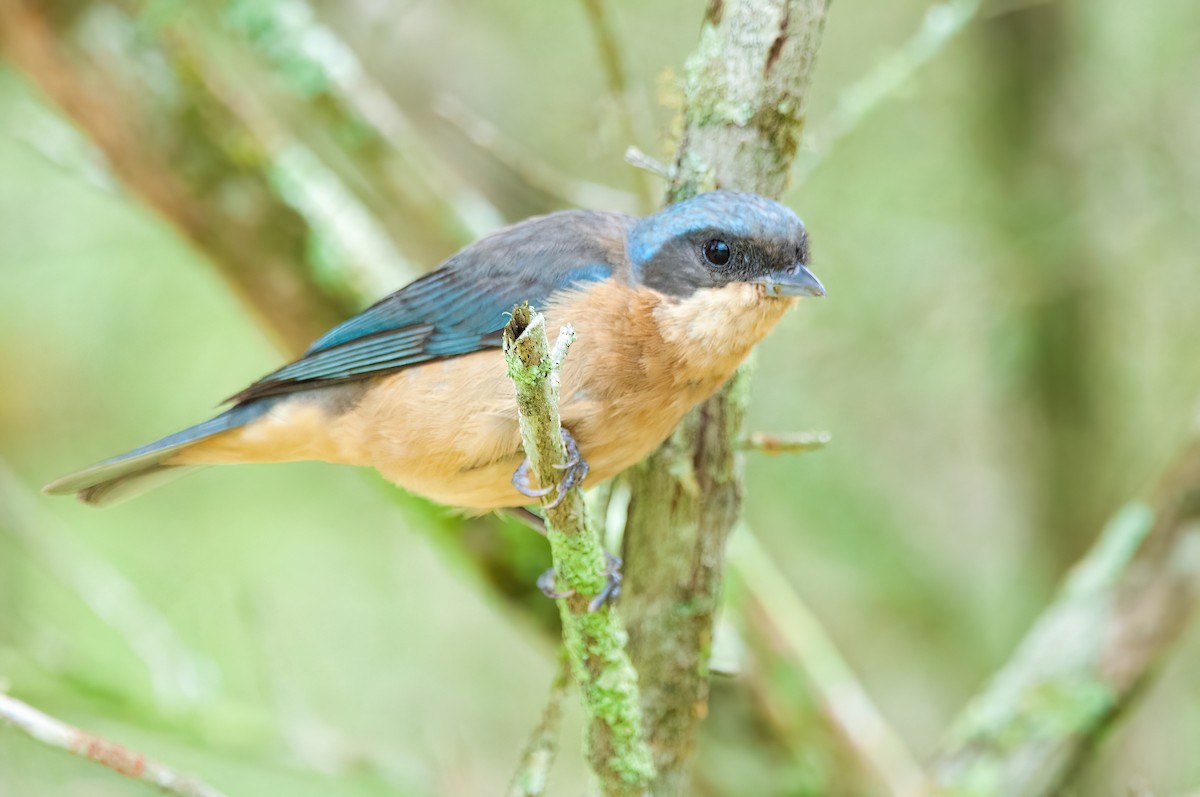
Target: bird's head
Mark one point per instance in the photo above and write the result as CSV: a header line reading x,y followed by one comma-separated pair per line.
x,y
721,238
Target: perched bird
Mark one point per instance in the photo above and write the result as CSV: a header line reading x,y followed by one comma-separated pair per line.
x,y
664,308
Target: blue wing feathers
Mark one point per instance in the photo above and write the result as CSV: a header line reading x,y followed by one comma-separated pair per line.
x,y
461,307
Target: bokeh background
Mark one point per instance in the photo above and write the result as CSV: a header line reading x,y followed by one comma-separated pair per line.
x,y
1009,352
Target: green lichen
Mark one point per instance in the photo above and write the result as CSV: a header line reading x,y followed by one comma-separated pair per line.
x,y
279,31
582,562
594,640
608,681
1057,708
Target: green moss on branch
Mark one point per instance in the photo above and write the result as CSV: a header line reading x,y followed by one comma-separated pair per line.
x,y
595,640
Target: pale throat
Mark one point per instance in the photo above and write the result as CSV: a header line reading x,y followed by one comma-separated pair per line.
x,y
715,328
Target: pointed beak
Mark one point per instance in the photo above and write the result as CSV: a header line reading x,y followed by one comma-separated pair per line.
x,y
795,280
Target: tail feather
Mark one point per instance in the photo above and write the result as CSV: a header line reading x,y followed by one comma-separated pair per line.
x,y
141,469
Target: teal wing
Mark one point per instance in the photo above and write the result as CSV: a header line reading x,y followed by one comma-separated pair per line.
x,y
463,306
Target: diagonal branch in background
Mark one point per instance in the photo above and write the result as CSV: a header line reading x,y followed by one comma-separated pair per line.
x,y
942,23
593,636
776,612
273,217
255,246
779,613
335,108
744,109
535,173
51,732
600,18
1089,654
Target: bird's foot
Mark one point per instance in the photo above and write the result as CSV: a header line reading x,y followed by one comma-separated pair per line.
x,y
610,592
575,470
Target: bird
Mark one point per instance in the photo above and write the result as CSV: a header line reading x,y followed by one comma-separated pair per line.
x,y
664,308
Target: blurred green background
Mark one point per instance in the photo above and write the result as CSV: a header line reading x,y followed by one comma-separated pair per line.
x,y
1009,351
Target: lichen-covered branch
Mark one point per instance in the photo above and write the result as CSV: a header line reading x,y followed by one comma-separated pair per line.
x,y
595,640
1088,655
51,732
744,110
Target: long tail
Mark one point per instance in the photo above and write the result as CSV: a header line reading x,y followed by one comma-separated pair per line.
x,y
142,469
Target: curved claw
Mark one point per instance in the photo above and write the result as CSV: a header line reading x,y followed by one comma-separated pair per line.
x,y
570,463
558,499
575,470
609,593
520,480
545,583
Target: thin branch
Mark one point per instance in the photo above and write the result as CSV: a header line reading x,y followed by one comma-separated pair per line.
x,y
782,615
534,172
594,638
607,43
941,24
638,159
1089,655
51,732
786,442
744,108
534,769
290,36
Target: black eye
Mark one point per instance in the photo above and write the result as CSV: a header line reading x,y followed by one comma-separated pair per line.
x,y
716,252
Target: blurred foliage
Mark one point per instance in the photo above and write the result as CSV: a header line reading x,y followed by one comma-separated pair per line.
x,y
1008,352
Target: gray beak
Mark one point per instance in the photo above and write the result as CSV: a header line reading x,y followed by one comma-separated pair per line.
x,y
795,280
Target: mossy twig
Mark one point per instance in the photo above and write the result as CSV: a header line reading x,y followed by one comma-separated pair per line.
x,y
1088,655
595,640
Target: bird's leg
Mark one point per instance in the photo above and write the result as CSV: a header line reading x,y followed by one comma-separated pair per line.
x,y
612,583
575,471
610,592
546,584
520,480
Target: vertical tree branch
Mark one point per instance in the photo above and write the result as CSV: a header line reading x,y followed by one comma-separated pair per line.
x,y
744,110
595,640
1088,655
1031,126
